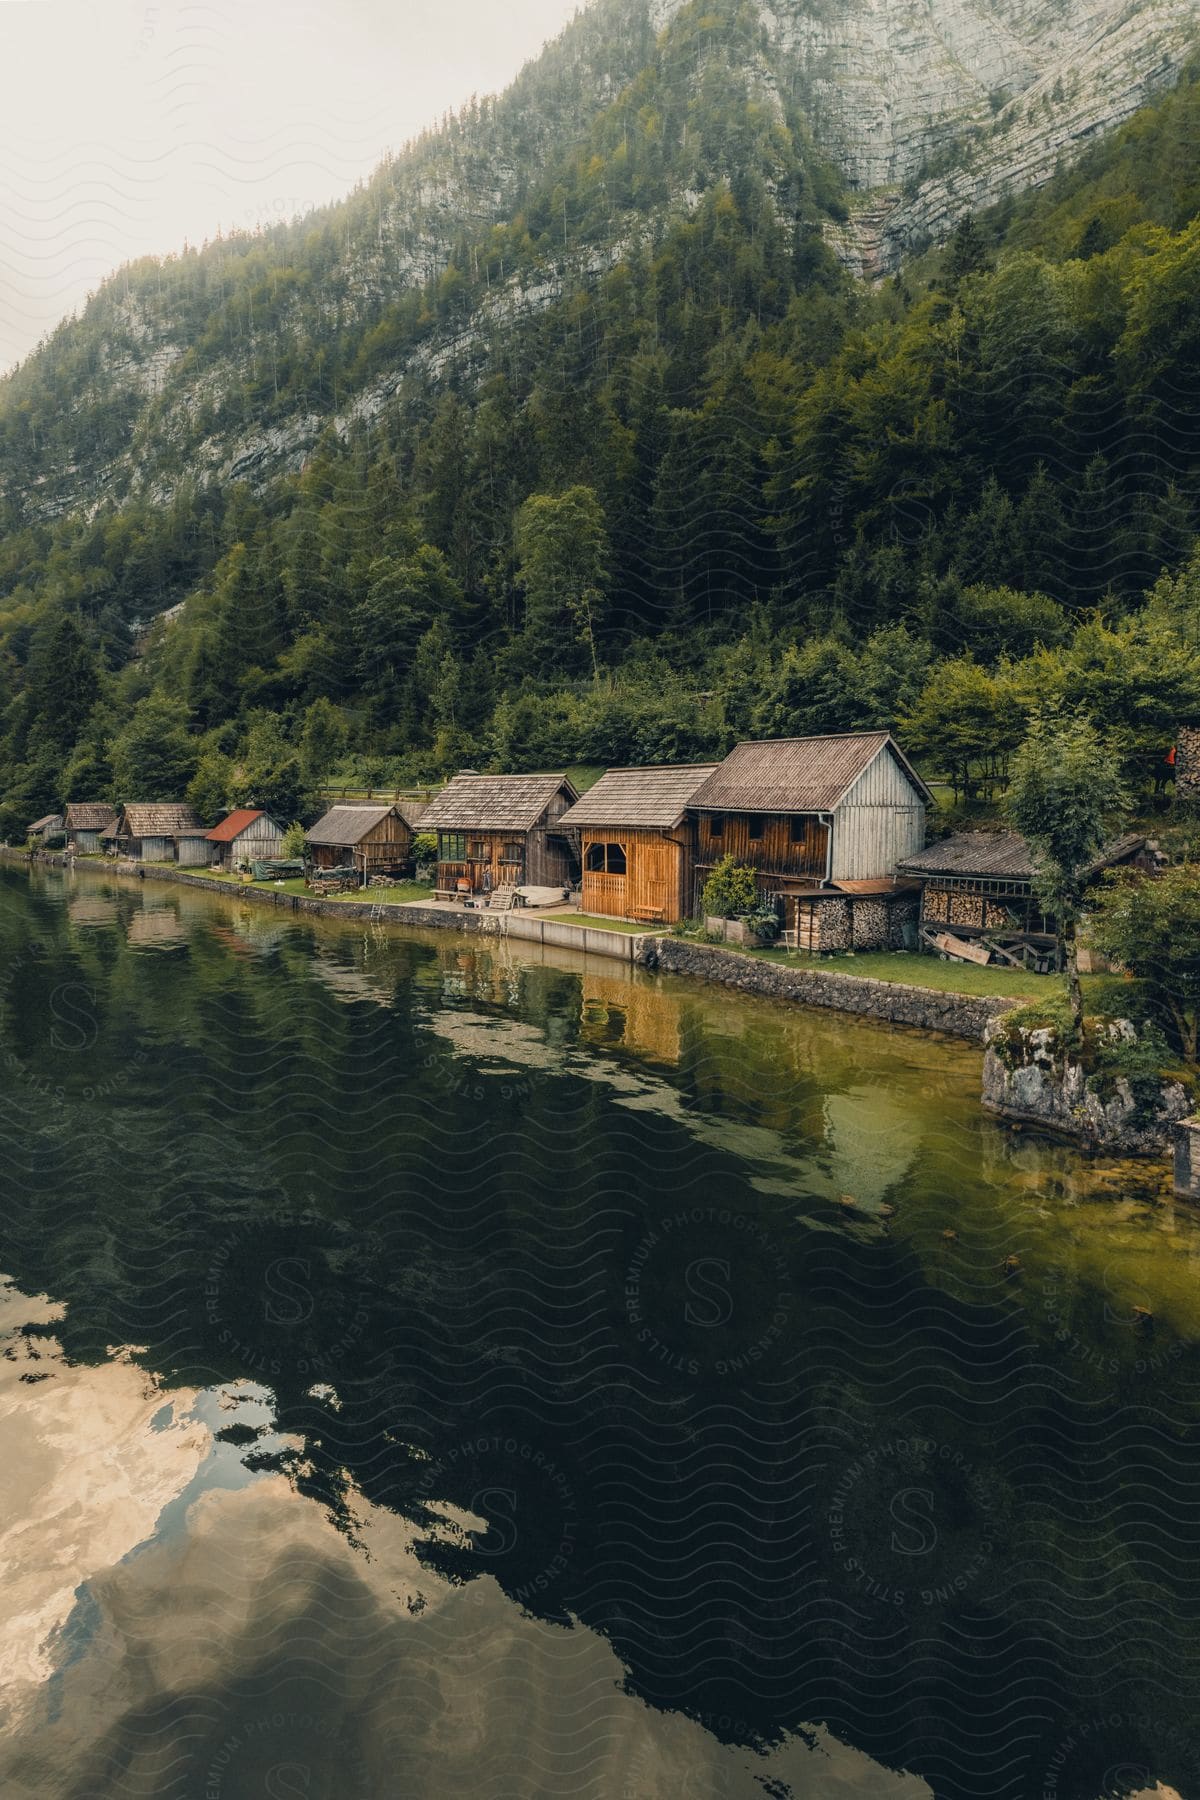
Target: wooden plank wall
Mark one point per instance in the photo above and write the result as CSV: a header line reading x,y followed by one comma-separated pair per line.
x,y
655,885
773,852
881,819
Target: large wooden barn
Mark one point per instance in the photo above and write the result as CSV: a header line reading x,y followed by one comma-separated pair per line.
x,y
502,831
152,831
637,842
86,821
372,838
247,835
823,821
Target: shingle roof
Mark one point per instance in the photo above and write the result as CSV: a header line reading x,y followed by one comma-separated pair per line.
x,y
50,822
656,798
347,824
788,775
412,812
89,815
494,802
235,824
158,819
1000,856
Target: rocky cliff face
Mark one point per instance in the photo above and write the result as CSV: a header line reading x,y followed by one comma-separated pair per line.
x,y
926,108
933,110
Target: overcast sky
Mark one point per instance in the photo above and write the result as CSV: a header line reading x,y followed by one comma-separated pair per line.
x,y
127,126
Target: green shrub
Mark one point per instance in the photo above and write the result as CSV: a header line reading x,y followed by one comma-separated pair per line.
x,y
424,846
731,891
295,843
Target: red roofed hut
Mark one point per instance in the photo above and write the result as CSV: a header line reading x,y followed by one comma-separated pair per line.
x,y
246,836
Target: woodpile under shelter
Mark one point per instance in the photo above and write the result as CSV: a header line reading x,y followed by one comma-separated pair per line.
x,y
502,831
823,821
637,842
152,831
978,898
247,835
86,821
374,838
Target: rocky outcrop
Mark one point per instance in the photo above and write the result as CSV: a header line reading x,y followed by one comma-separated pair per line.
x,y
1028,1075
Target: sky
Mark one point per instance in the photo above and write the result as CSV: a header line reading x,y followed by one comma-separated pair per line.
x,y
128,127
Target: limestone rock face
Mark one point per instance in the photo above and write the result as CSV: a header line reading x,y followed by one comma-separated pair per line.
x,y
1033,1080
932,108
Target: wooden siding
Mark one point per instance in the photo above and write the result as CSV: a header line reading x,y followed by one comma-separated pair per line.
x,y
657,879
773,852
385,844
880,820
510,858
260,841
84,843
153,849
194,852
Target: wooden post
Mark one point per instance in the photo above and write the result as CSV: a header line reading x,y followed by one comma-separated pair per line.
x,y
1186,1139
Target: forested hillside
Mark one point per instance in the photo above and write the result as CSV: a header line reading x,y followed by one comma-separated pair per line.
x,y
656,471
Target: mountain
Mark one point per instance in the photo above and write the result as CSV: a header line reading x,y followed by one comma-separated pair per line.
x,y
878,122
573,435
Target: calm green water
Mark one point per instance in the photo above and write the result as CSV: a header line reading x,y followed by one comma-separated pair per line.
x,y
430,1371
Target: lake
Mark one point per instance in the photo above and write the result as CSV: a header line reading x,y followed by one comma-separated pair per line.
x,y
432,1370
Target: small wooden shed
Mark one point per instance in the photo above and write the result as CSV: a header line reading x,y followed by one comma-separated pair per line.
x,y
812,812
502,831
151,831
44,828
637,842
371,838
977,888
86,821
246,836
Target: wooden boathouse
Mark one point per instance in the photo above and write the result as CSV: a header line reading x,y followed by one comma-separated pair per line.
x,y
153,831
247,835
375,839
637,842
86,821
824,822
502,831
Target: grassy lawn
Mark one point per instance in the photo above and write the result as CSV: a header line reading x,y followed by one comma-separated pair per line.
x,y
921,971
595,923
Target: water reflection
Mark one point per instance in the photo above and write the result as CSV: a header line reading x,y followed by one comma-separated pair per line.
x,y
551,1379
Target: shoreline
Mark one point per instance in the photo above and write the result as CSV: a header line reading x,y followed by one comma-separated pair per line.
x,y
965,1016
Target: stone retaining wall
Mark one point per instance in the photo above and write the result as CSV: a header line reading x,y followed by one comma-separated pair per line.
x,y
961,1015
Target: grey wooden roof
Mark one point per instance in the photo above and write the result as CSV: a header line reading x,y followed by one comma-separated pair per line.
x,y
412,812
347,824
48,822
1000,856
89,815
494,802
789,775
655,798
158,819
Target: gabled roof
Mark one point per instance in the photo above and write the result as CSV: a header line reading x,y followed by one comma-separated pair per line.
x,y
51,822
790,775
89,815
1001,856
167,818
347,824
235,824
656,798
494,802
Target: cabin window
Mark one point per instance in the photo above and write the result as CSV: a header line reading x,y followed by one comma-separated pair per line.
x,y
512,851
453,846
716,825
799,828
605,859
754,830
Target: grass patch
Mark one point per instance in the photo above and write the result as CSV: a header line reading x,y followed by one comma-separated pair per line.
x,y
917,970
594,923
399,894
